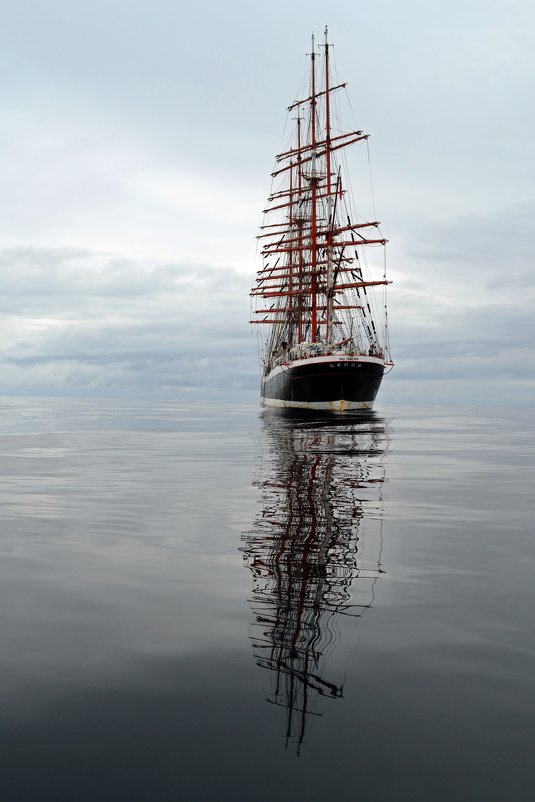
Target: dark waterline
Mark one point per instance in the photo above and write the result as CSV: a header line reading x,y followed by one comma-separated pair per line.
x,y
228,605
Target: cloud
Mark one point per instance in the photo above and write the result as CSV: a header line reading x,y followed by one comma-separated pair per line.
x,y
78,179
74,319
463,312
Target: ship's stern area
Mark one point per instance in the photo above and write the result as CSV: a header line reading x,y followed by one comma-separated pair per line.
x,y
332,383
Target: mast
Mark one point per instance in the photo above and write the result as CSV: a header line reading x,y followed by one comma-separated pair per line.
x,y
290,266
300,226
314,238
330,216
314,284
327,115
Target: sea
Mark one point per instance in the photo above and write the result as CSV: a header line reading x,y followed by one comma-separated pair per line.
x,y
211,602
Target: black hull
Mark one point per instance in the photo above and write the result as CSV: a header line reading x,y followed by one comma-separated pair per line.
x,y
331,385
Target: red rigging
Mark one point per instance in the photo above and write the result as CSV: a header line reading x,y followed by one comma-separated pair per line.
x,y
319,297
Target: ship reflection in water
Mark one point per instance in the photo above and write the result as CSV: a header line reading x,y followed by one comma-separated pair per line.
x,y
314,554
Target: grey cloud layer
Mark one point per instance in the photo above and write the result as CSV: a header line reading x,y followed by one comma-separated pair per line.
x,y
75,319
462,307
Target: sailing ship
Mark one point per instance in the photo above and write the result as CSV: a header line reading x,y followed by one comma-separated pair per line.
x,y
327,343
315,555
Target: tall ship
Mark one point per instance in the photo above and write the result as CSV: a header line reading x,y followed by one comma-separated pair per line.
x,y
319,300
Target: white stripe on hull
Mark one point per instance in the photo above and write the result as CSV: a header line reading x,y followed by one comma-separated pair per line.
x,y
331,360
320,406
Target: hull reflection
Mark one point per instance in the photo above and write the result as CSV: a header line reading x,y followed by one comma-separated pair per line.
x,y
314,554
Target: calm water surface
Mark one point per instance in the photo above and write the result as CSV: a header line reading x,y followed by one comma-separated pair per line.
x,y
228,605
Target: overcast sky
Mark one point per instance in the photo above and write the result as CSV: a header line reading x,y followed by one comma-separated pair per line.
x,y
136,143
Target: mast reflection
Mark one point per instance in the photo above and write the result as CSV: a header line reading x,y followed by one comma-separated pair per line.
x,y
314,553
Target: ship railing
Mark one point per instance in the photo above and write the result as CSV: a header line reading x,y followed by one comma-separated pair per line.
x,y
294,354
